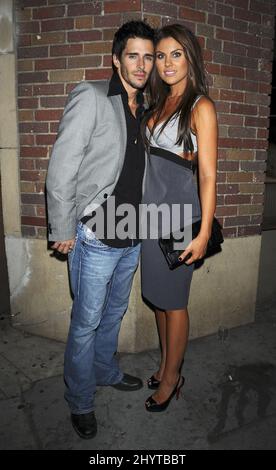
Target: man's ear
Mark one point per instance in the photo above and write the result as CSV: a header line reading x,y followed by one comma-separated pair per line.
x,y
116,61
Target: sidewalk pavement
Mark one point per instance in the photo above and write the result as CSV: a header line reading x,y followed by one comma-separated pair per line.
x,y
228,401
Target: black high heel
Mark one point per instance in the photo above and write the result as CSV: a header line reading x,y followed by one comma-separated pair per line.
x,y
153,383
152,405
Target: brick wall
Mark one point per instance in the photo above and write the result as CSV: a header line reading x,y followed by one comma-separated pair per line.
x,y
61,42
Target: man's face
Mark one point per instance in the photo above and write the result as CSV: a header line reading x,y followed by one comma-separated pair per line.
x,y
136,63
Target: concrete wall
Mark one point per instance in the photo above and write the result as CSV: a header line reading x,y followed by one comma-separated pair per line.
x,y
223,293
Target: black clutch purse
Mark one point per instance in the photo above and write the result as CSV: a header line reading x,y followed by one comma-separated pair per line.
x,y
172,255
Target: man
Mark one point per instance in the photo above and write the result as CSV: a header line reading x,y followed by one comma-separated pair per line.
x,y
99,155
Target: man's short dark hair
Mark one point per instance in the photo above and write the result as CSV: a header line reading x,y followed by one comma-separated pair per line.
x,y
131,29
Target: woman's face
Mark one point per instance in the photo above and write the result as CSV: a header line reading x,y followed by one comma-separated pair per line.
x,y
171,63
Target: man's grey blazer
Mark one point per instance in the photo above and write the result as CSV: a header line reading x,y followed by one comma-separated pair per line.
x,y
87,157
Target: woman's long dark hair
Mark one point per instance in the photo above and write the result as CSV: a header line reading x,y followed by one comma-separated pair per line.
x,y
196,85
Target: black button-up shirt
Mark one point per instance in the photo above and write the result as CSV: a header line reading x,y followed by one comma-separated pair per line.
x,y
128,189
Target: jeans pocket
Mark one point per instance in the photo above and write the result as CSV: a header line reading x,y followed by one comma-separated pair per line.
x,y
95,242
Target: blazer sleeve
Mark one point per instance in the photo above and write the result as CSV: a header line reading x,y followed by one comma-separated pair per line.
x,y
76,126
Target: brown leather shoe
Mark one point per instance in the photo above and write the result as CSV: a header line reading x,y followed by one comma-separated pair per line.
x,y
85,425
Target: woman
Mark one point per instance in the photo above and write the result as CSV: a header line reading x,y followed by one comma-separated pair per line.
x,y
180,128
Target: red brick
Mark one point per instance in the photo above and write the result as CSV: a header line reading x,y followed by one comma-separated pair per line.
x,y
85,61
66,50
228,188
37,221
28,231
41,164
231,71
241,132
28,128
257,98
250,39
228,95
258,199
215,20
224,10
229,232
244,62
80,9
239,220
103,74
27,103
56,25
122,5
228,166
246,231
33,198
45,139
25,115
107,61
263,133
257,76
261,6
222,107
54,126
84,22
53,102
49,89
213,68
29,52
79,36
48,64
30,175
32,77
28,27
48,12
106,21
24,40
255,144
238,199
226,211
40,211
206,5
230,120
224,34
247,15
26,139
253,166
160,8
49,115
233,48
28,210
33,152
230,143
244,85
239,108
193,15
261,155
26,164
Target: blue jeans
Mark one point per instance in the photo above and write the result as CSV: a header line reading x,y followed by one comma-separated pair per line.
x,y
101,278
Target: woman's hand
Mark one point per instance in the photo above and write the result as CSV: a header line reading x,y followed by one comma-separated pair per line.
x,y
195,250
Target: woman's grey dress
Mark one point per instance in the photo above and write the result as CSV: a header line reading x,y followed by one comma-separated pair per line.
x,y
169,179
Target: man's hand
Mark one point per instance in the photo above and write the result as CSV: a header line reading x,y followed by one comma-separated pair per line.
x,y
64,247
